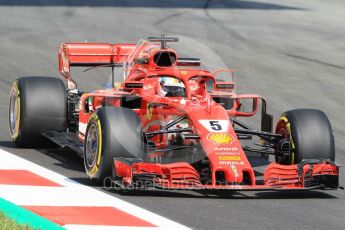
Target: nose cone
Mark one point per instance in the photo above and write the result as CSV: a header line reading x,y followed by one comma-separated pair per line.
x,y
229,164
227,159
228,174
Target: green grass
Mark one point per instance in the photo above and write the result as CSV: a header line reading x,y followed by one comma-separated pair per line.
x,y
8,224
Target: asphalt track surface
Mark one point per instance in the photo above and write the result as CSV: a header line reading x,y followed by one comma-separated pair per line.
x,y
291,52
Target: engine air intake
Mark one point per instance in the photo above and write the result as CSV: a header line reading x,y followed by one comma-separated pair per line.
x,y
164,58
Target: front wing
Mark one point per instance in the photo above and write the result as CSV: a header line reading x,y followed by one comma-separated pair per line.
x,y
307,175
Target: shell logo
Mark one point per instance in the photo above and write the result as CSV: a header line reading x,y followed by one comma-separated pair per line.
x,y
220,138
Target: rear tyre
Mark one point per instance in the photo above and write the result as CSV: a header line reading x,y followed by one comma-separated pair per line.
x,y
37,105
111,132
310,134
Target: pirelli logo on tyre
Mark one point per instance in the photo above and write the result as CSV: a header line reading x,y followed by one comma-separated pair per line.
x,y
220,138
94,116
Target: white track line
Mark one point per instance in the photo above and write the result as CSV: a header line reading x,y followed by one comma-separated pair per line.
x,y
94,227
73,193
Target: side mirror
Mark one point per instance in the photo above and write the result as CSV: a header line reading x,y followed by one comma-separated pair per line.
x,y
134,85
188,62
247,106
225,86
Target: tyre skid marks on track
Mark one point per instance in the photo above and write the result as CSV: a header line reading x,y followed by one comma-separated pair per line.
x,y
71,193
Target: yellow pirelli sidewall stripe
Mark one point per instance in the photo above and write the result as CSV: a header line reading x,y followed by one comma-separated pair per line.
x,y
99,142
288,127
17,93
94,169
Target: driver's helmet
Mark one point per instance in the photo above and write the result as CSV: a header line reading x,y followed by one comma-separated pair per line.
x,y
171,87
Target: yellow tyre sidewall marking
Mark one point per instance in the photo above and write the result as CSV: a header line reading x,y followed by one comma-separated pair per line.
x,y
92,172
100,142
288,127
15,90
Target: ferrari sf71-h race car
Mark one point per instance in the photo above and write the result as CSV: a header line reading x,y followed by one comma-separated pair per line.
x,y
169,124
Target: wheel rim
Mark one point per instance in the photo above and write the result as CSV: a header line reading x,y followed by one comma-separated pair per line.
x,y
283,130
92,144
14,114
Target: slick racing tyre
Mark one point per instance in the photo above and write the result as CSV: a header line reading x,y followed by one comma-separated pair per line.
x,y
310,134
111,132
37,105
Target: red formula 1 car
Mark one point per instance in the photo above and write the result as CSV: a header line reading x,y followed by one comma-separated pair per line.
x,y
170,124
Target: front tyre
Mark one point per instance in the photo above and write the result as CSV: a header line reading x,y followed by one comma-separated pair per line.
x,y
111,132
310,134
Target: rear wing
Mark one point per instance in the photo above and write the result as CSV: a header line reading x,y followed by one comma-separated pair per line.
x,y
91,54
